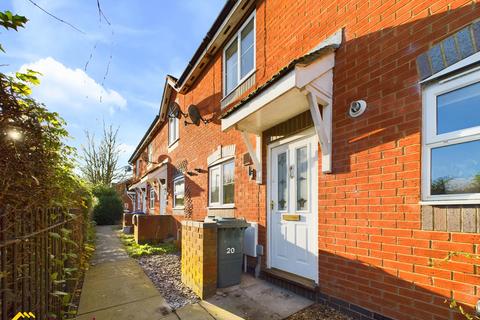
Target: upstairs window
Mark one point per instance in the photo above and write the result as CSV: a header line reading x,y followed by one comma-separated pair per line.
x,y
239,56
179,192
150,153
137,167
222,184
173,130
451,139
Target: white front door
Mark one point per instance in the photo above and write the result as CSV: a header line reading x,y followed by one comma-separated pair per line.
x,y
293,206
163,198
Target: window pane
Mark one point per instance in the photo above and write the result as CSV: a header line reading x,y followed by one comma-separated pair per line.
x,y
459,109
179,188
215,185
247,57
171,131
282,181
231,68
228,182
302,182
456,169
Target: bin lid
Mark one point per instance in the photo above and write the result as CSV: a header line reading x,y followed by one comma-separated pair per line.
x,y
232,223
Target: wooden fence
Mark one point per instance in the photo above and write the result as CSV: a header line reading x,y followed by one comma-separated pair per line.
x,y
40,254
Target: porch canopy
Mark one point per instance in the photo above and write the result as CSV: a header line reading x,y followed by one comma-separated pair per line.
x,y
142,184
304,84
157,176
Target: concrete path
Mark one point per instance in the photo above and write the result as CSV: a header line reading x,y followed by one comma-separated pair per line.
x,y
116,288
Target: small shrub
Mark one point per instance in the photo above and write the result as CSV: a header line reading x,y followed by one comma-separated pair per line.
x,y
138,250
108,208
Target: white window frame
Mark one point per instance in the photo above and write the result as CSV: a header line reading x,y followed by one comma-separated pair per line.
x,y
173,133
237,37
134,202
152,199
175,181
137,168
150,152
220,203
432,140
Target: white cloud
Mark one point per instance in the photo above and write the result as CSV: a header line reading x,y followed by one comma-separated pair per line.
x,y
62,89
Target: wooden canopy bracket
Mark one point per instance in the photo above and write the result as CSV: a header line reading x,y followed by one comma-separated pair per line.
x,y
255,154
322,120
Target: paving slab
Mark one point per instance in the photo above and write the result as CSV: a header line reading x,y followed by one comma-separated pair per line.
x,y
193,312
116,287
258,299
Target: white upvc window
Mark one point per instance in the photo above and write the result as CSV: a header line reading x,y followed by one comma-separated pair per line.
x,y
451,139
179,192
137,167
134,202
239,56
173,130
221,185
150,153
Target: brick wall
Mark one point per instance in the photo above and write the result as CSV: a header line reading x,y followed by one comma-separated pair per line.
x,y
372,250
199,257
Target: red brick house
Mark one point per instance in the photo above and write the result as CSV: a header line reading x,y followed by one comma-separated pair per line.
x,y
349,131
128,197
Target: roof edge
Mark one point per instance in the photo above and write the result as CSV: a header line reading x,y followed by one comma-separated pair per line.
x,y
227,8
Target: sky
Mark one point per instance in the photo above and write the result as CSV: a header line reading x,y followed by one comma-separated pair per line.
x,y
113,73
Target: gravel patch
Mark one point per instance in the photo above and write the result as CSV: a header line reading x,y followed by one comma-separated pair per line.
x,y
165,272
319,312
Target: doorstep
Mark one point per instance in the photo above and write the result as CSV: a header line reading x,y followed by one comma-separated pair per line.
x,y
298,284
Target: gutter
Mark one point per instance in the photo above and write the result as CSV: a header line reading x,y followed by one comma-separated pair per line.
x,y
227,8
144,139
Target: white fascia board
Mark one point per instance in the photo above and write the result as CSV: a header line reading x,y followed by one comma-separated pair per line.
x,y
283,85
209,46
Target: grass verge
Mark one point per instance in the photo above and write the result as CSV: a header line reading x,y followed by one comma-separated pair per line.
x,y
138,250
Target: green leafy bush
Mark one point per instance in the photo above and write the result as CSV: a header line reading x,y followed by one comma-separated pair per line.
x,y
138,250
108,208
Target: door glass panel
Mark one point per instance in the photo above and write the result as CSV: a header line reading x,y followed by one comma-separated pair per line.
x,y
456,169
459,109
302,178
282,193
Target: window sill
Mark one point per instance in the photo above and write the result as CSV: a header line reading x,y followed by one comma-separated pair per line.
x,y
173,145
448,202
240,83
232,206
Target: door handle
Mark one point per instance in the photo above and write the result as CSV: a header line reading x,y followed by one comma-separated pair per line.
x,y
291,171
272,205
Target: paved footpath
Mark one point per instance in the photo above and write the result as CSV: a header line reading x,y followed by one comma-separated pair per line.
x,y
116,288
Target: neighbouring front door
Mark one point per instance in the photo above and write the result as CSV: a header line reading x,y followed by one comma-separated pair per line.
x,y
293,206
163,198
